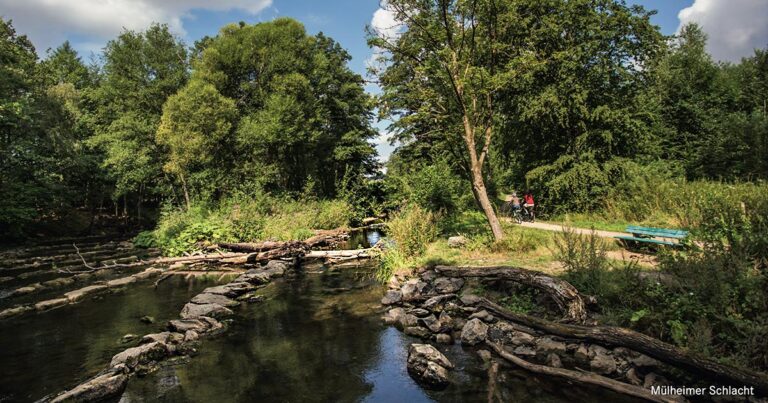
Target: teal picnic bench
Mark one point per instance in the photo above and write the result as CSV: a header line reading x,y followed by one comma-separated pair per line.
x,y
647,234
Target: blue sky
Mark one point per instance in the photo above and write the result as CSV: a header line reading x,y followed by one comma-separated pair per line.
x,y
735,27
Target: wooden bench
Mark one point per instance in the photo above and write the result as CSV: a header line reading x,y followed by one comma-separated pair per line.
x,y
649,235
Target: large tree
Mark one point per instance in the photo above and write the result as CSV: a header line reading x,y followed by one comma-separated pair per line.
x,y
442,76
303,116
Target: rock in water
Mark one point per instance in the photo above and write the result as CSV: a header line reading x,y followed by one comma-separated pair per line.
x,y
475,331
100,388
428,366
147,319
217,311
222,300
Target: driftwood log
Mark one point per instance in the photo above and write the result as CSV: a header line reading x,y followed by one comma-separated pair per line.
x,y
321,239
565,295
584,377
621,337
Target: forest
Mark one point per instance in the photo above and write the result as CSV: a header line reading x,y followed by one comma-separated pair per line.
x,y
263,133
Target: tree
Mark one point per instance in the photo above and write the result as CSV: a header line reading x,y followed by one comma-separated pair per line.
x,y
303,116
443,76
141,70
195,124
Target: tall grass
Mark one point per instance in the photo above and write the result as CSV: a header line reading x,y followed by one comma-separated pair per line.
x,y
411,230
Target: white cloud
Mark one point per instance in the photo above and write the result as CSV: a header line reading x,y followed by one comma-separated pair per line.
x,y
384,22
50,22
735,27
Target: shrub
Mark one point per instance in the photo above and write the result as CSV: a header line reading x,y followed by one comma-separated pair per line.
x,y
412,229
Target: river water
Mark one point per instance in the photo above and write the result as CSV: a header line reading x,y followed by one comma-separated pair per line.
x,y
317,337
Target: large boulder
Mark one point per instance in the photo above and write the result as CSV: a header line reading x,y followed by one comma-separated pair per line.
x,y
219,299
99,388
393,316
428,366
192,310
275,268
474,332
142,354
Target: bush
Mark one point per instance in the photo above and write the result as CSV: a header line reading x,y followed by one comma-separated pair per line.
x,y
433,187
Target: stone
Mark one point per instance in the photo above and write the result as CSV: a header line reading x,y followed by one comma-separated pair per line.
x,y
474,332
231,289
457,241
445,285
251,298
191,335
128,338
192,310
163,337
643,361
428,366
582,354
276,268
633,377
7,313
417,331
59,282
213,324
548,345
444,338
393,316
27,289
485,355
205,298
121,282
419,312
470,299
142,354
445,323
524,351
413,290
147,319
185,325
76,295
432,323
392,297
99,388
437,303
408,320
393,283
428,275
553,360
522,338
483,315
151,272
51,303
601,360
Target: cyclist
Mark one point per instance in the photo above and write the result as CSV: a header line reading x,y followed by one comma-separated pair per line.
x,y
528,203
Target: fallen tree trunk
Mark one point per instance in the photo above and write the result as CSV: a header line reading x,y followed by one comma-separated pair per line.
x,y
585,377
620,337
339,254
252,246
565,295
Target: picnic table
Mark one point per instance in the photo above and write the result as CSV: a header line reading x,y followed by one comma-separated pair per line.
x,y
659,236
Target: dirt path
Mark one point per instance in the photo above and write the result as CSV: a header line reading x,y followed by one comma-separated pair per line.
x,y
560,228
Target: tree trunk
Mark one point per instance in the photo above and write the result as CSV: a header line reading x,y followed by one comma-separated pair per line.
x,y
186,192
621,337
478,183
565,295
584,377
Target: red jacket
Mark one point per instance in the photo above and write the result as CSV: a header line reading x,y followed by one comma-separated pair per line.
x,y
528,198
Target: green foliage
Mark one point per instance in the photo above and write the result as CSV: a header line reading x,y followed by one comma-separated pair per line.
x,y
247,219
433,187
710,299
